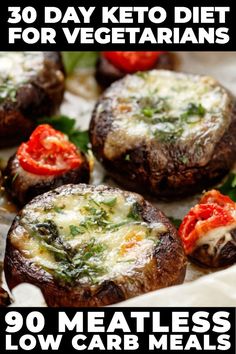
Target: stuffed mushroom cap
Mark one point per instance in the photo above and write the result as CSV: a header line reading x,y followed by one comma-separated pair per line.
x,y
93,246
166,133
32,85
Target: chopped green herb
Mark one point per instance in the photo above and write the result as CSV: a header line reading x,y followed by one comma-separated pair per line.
x,y
148,112
229,186
48,236
47,231
167,128
127,157
168,136
110,202
85,263
67,126
58,209
75,230
193,110
175,222
114,227
167,119
142,74
72,264
15,177
73,60
150,106
7,91
134,212
184,160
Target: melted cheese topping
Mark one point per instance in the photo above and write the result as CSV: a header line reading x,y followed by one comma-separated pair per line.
x,y
17,68
213,237
162,106
90,236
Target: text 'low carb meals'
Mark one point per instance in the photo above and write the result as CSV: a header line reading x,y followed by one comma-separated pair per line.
x,y
166,133
93,246
31,85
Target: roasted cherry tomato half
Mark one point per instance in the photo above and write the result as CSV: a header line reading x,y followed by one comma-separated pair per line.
x,y
48,152
214,210
130,62
215,196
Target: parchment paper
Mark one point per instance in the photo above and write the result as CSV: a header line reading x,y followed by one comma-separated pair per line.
x,y
215,289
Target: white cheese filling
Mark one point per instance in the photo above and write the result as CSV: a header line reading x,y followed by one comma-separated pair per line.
x,y
18,67
119,241
161,105
212,239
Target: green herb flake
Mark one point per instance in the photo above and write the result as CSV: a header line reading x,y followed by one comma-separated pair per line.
x,y
134,212
151,107
15,177
127,157
111,202
7,91
175,222
142,74
184,160
234,182
147,112
75,230
169,136
85,263
229,186
73,60
193,109
58,209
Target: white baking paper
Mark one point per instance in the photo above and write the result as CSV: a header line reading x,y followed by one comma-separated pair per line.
x,y
203,287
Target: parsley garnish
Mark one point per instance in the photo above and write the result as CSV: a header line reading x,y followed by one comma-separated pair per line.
x,y
229,186
109,202
7,91
75,230
73,60
193,110
84,263
134,213
175,222
58,209
67,126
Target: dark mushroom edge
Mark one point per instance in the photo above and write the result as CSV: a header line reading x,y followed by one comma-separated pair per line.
x,y
33,88
23,186
216,252
169,147
81,276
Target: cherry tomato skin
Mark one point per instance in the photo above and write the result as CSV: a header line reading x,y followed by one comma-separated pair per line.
x,y
48,152
131,62
214,210
215,196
